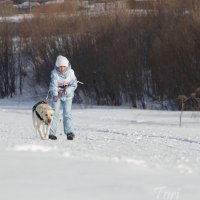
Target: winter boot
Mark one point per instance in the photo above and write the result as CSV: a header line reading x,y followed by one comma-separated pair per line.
x,y
70,136
52,137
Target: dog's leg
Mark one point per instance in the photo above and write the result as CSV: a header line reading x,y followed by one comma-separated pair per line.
x,y
43,132
35,124
40,130
48,130
38,124
45,129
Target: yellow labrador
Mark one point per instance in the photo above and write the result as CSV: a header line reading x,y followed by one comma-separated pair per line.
x,y
42,116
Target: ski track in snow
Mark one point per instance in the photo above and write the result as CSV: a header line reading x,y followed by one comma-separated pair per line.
x,y
142,139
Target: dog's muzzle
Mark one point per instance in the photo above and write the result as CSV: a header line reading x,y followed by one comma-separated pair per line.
x,y
48,122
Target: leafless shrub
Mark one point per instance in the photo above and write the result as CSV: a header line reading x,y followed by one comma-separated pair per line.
x,y
7,61
7,9
121,57
68,7
190,103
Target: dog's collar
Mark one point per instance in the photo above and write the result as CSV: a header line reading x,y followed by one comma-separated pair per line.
x,y
40,117
41,102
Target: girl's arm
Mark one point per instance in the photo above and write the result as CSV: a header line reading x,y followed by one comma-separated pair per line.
x,y
53,88
72,85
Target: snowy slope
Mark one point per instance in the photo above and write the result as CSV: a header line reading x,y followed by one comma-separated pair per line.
x,y
118,153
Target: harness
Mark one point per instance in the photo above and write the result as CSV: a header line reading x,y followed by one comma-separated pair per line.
x,y
34,110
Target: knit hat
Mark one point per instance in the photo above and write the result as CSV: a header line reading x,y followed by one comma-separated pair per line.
x,y
62,61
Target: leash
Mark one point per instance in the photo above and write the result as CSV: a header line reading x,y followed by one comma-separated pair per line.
x,y
80,82
47,97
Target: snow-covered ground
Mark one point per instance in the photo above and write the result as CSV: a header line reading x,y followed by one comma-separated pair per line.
x,y
118,153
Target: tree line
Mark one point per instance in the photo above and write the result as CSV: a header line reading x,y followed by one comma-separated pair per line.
x,y
121,57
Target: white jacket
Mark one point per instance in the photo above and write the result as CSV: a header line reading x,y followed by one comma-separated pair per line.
x,y
59,80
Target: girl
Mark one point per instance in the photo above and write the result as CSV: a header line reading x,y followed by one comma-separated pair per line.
x,y
62,86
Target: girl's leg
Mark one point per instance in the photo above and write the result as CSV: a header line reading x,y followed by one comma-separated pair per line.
x,y
67,116
56,106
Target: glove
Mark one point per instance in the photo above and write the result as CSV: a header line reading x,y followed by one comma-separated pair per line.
x,y
61,93
55,98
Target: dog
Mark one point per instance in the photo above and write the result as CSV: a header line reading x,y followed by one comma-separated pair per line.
x,y
42,115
